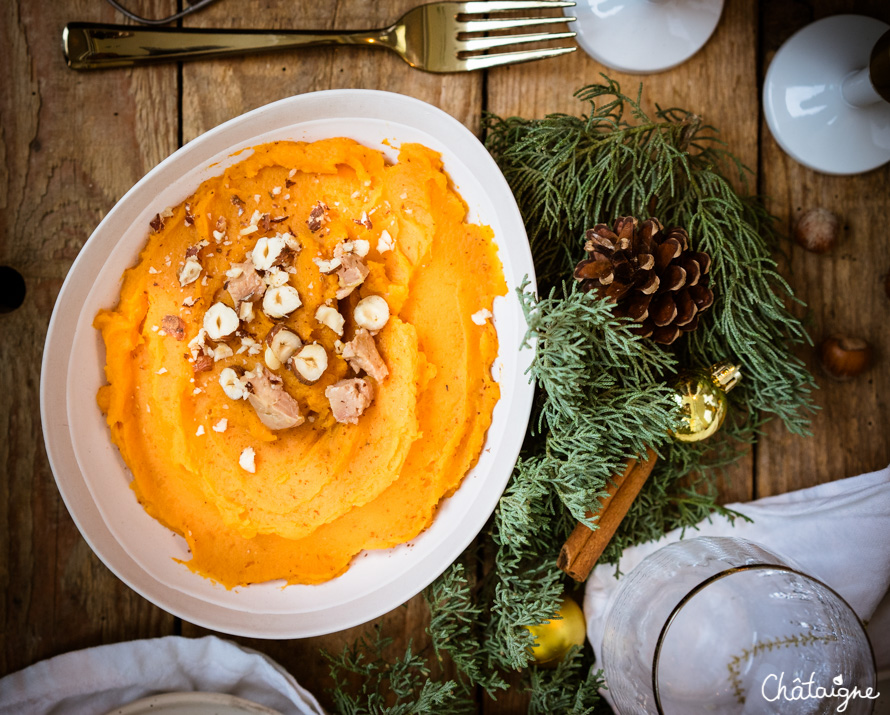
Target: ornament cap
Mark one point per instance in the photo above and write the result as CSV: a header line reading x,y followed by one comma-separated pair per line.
x,y
725,374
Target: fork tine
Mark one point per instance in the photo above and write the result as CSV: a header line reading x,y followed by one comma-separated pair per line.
x,y
487,43
477,7
509,24
508,58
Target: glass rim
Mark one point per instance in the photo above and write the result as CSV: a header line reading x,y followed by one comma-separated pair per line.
x,y
695,590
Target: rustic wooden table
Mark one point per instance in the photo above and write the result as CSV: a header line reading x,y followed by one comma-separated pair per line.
x,y
73,143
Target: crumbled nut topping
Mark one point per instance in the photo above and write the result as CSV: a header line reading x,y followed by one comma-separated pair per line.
x,y
310,363
361,354
349,399
157,224
371,313
247,460
190,271
331,318
245,312
262,279
203,363
266,252
173,325
327,267
244,283
219,321
365,221
283,343
480,316
275,277
350,275
275,407
385,242
281,301
318,217
221,352
232,384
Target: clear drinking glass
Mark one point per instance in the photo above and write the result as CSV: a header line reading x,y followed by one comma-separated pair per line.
x,y
723,625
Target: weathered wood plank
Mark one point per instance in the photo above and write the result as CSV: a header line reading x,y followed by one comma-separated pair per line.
x,y
219,90
303,657
73,144
843,289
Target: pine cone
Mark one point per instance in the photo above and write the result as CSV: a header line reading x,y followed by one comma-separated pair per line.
x,y
650,274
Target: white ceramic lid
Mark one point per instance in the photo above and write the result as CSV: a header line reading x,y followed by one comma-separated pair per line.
x,y
804,105
644,36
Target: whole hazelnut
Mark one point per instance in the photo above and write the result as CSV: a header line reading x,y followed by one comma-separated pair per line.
x,y
817,230
844,358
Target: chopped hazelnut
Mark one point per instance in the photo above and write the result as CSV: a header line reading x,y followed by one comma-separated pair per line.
x,y
174,326
247,460
281,301
219,321
331,318
349,399
275,407
480,316
189,272
361,354
371,312
310,363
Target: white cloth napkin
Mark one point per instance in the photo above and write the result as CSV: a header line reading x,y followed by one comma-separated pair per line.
x,y
97,680
838,532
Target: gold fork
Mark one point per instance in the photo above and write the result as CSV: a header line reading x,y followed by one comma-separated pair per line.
x,y
434,37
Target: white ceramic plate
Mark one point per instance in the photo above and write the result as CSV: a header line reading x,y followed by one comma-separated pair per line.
x,y
193,704
89,471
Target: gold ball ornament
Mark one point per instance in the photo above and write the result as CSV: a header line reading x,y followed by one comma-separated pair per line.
x,y
701,397
556,637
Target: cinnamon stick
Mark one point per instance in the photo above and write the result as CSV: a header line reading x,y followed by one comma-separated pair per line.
x,y
584,546
581,534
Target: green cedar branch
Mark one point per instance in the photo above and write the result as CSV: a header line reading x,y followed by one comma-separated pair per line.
x,y
569,173
600,391
399,687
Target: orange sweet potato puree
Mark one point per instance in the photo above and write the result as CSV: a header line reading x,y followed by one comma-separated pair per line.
x,y
322,491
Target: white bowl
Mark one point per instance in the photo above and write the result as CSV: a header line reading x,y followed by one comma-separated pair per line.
x,y
88,468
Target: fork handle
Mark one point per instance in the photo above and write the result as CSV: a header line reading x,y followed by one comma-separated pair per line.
x,y
90,46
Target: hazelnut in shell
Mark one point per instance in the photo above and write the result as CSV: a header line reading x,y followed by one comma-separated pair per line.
x,y
817,230
844,358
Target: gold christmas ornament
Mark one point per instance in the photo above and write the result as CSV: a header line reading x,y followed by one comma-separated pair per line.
x,y
557,636
701,396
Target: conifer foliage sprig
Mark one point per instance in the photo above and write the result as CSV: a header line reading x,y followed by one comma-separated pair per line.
x,y
601,392
569,173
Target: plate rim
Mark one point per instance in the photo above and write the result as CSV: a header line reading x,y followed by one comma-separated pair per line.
x,y
190,698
